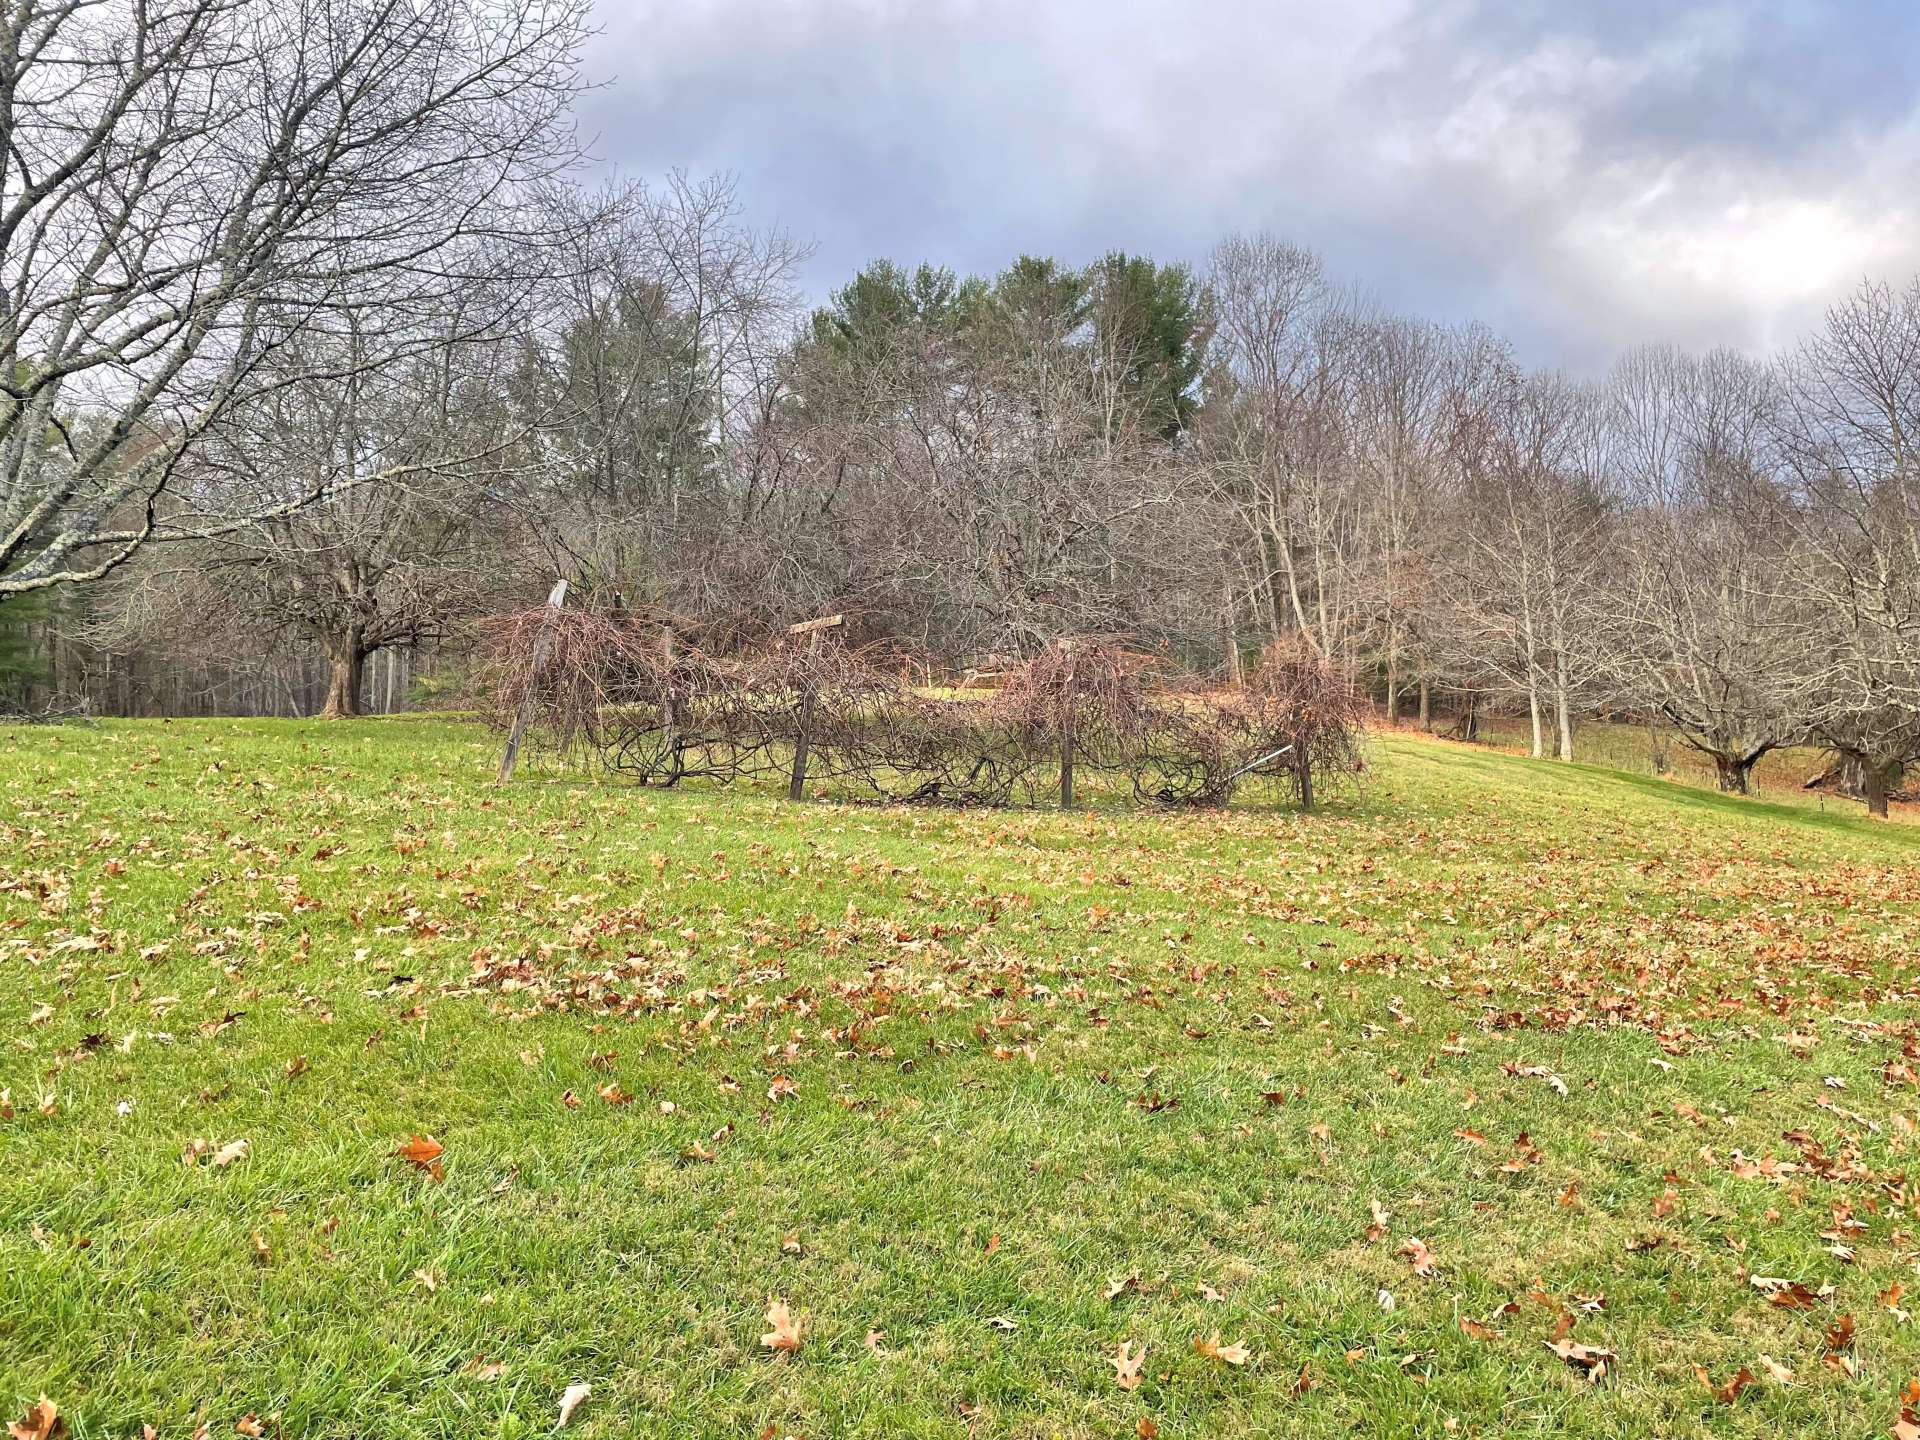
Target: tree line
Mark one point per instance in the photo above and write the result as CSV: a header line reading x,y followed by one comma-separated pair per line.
x,y
316,350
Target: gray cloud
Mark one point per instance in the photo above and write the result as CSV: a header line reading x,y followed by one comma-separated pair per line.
x,y
1709,173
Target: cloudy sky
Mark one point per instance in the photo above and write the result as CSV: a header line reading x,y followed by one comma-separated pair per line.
x,y
1580,174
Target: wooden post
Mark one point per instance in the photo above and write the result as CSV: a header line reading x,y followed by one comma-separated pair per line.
x,y
1067,718
530,696
803,740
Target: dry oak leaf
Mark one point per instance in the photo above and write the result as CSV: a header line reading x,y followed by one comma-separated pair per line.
x,y
1378,1229
1725,1394
1121,1284
1780,1374
1126,1366
423,1152
782,1088
571,1399
1234,1354
1418,1255
250,1424
785,1334
1147,1429
1593,1359
231,1151
42,1421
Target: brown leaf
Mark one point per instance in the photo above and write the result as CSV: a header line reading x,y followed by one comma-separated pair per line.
x,y
785,1334
231,1151
42,1421
1476,1329
1418,1255
1592,1359
1119,1285
1839,1335
1725,1394
1146,1429
423,1152
1779,1373
1378,1229
874,1337
1234,1354
1126,1366
249,1424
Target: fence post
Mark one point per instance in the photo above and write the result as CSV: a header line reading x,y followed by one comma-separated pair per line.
x,y
803,740
523,717
1068,717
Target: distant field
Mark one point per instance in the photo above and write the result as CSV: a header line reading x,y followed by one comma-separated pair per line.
x,y
1490,1056
1780,776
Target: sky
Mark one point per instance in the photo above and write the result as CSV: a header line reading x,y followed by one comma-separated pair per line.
x,y
1581,175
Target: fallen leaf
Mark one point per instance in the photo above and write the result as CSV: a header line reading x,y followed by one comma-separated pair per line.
x,y
1126,1366
1378,1229
249,1424
42,1421
1725,1394
423,1152
1418,1255
1234,1354
1594,1360
874,1337
785,1334
1778,1372
231,1151
571,1399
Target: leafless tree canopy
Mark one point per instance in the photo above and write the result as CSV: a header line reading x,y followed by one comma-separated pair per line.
x,y
208,204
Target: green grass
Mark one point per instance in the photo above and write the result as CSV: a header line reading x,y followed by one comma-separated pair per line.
x,y
1780,775
970,1008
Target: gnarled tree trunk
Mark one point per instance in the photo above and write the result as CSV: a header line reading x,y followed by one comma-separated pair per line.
x,y
346,674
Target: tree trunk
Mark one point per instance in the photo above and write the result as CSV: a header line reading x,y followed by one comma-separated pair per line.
x,y
1563,706
346,670
1733,773
1877,779
1533,712
1426,704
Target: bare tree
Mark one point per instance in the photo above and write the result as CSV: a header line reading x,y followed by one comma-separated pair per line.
x,y
1852,412
1697,619
193,187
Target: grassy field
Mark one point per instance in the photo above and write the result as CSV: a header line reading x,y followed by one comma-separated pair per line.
x,y
1780,776
1490,1056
